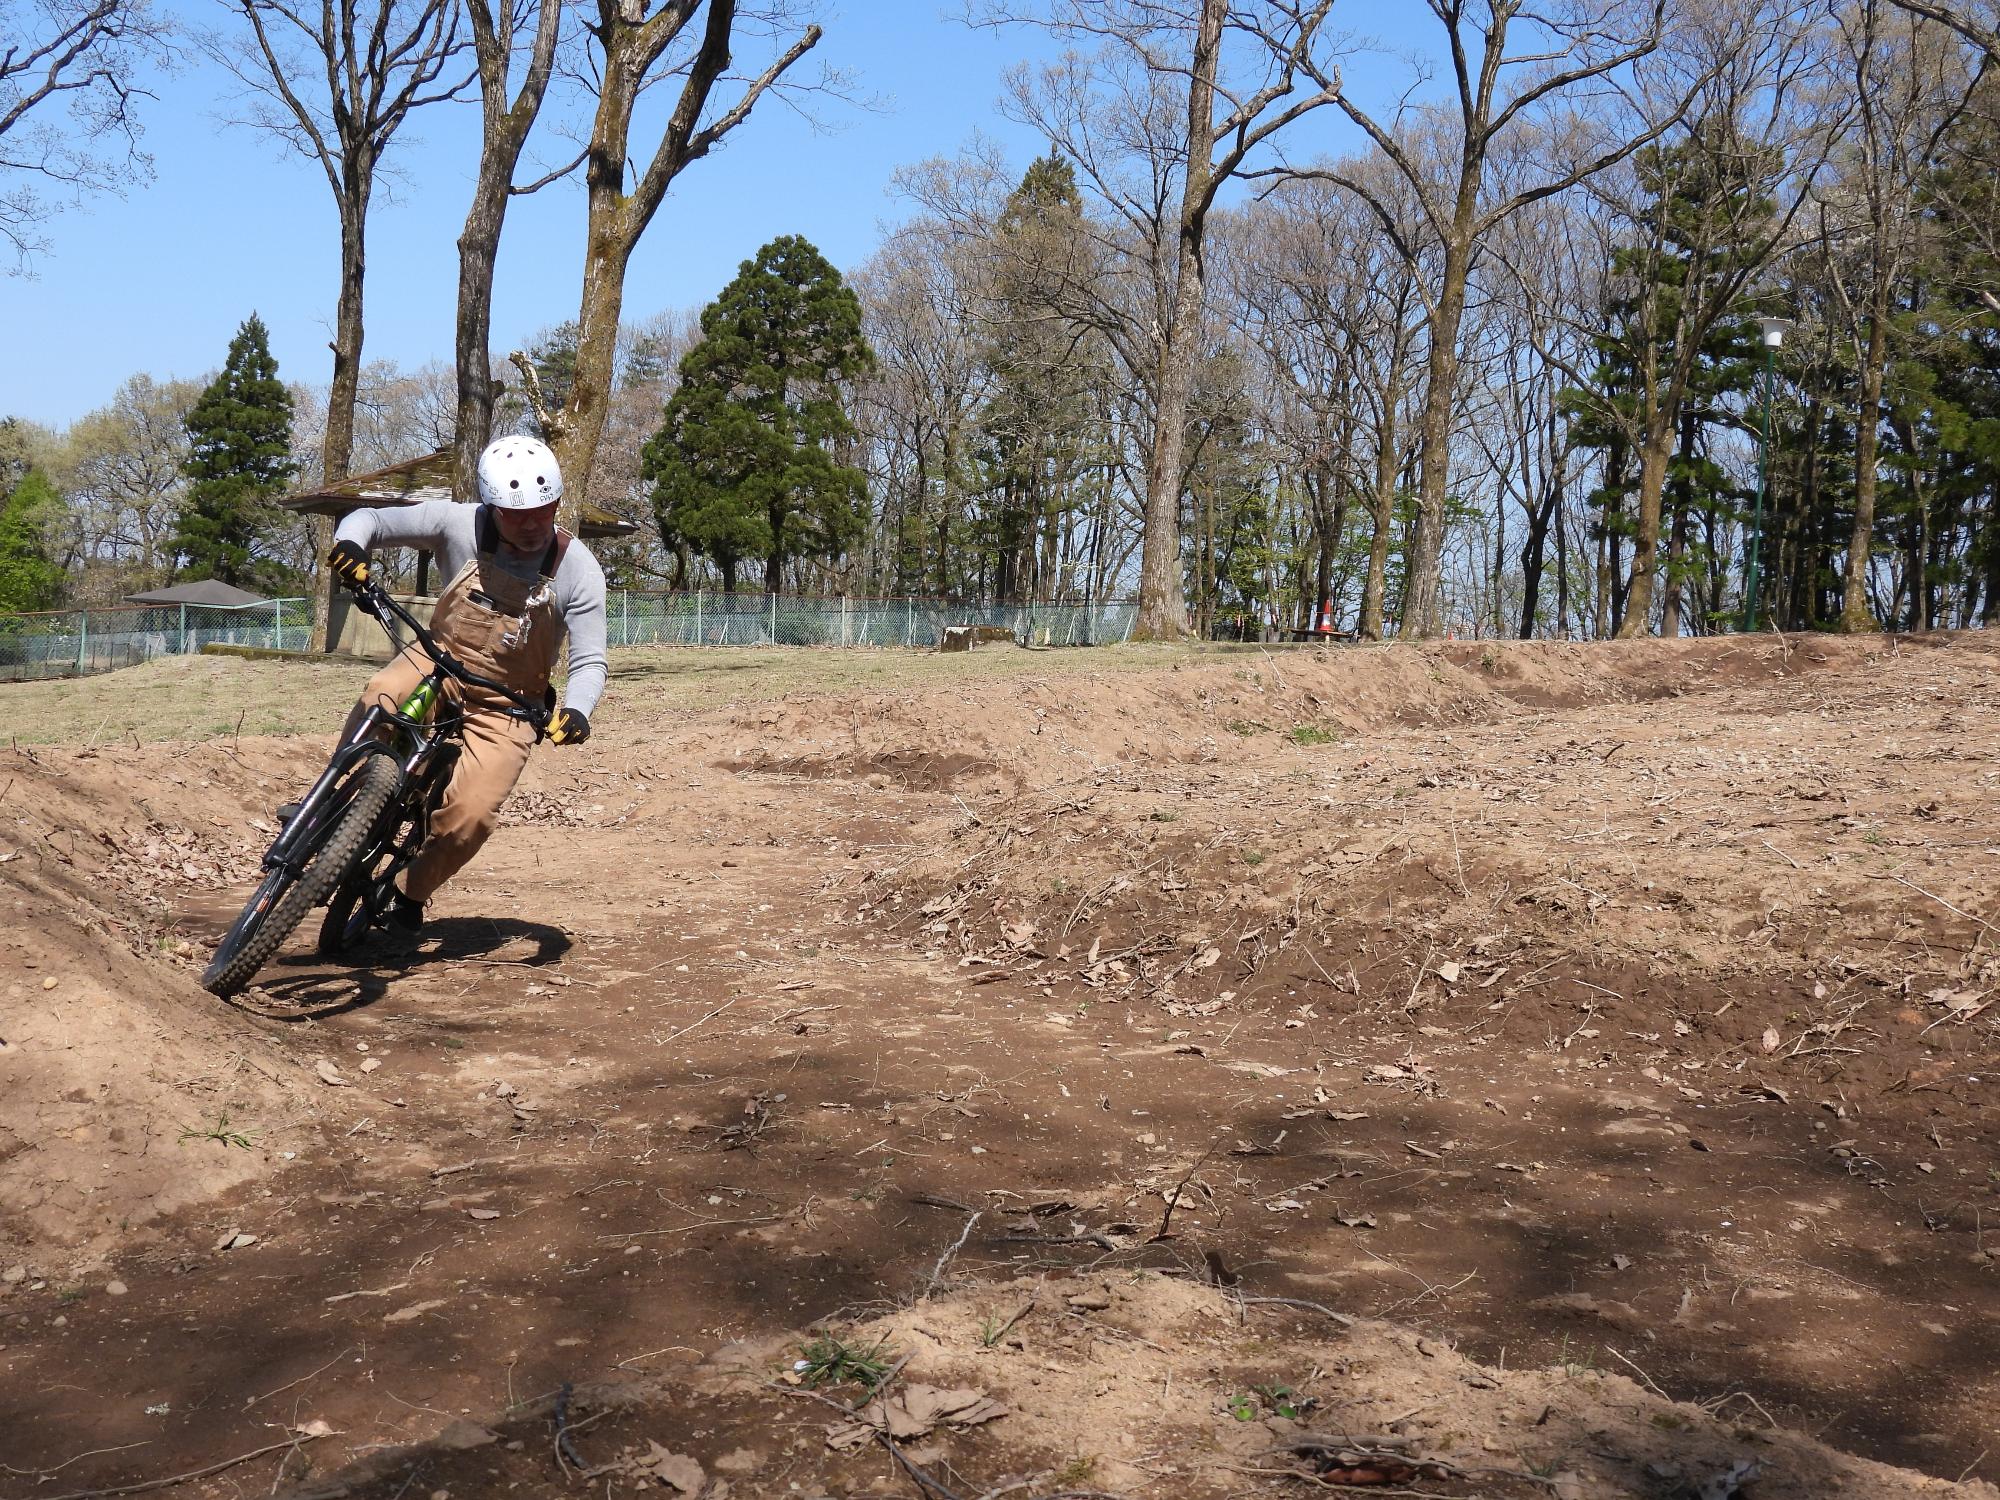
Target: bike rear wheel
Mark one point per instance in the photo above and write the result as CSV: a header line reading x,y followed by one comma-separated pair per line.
x,y
342,837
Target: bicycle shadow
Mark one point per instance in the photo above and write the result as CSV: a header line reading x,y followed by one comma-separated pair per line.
x,y
317,988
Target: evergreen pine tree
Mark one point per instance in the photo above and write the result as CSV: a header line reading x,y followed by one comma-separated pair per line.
x,y
29,578
1038,421
741,467
239,461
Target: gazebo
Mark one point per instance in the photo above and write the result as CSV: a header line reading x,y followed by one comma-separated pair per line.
x,y
408,483
209,592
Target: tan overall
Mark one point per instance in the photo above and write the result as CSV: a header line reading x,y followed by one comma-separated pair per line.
x,y
515,642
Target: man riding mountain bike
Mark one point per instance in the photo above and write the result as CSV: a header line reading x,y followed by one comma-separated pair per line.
x,y
517,585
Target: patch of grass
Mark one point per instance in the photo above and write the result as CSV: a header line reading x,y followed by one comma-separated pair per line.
x,y
221,1132
1282,1400
831,1360
1245,727
1079,1470
1271,1398
1253,856
1575,1365
453,1043
1164,815
1308,735
180,697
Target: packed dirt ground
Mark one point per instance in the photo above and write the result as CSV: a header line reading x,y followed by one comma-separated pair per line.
x,y
1479,1070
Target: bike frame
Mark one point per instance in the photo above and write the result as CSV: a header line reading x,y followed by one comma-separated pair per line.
x,y
413,736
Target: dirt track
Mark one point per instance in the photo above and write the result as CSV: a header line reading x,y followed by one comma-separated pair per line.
x,y
1605,1014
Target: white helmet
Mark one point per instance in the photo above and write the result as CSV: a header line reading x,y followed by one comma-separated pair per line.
x,y
519,473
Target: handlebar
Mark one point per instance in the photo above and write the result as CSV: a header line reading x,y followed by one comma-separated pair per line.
x,y
373,598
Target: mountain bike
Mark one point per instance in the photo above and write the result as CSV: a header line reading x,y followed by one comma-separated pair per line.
x,y
364,820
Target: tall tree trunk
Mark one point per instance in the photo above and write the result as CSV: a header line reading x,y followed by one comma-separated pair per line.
x,y
1989,614
633,42
1329,520
1534,552
504,131
1382,502
1423,591
1162,602
1677,535
1562,569
337,446
1654,449
1855,615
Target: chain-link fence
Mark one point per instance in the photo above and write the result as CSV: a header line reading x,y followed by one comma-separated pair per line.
x,y
65,643
705,619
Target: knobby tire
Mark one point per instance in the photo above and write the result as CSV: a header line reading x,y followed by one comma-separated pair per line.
x,y
250,944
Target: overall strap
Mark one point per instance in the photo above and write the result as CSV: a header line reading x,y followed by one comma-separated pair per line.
x,y
552,559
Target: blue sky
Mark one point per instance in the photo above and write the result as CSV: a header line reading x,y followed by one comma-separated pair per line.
x,y
158,281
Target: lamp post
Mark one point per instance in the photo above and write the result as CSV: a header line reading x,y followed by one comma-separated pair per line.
x,y
1774,331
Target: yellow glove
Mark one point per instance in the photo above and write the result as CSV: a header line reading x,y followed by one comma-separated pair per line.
x,y
349,564
568,727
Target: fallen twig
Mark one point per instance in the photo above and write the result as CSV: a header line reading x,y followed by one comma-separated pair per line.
x,y
565,1449
303,1378
937,1271
1341,1318
173,1479
122,1447
1174,1198
676,1035
1942,902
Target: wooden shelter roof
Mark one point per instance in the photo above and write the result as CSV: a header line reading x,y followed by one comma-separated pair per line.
x,y
416,480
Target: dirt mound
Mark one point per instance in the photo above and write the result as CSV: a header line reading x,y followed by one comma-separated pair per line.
x,y
129,1092
1139,1384
1005,736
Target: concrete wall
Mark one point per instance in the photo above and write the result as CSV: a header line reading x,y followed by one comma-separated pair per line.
x,y
349,630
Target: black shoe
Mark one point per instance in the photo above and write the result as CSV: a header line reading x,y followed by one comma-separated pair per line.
x,y
405,915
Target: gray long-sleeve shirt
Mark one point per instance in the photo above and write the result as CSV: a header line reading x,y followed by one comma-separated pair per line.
x,y
448,530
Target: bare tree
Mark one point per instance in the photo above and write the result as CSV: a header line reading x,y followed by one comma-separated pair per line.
x,y
630,53
504,127
336,82
1978,22
1192,118
89,59
1523,76
1337,309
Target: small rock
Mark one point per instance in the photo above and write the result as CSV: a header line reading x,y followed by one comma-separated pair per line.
x,y
60,1323
14,1275
49,983
235,1241
370,1064
115,1288
740,1461
1090,1301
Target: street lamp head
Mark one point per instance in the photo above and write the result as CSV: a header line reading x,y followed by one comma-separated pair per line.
x,y
1775,330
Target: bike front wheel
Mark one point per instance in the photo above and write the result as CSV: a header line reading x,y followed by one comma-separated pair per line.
x,y
333,848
